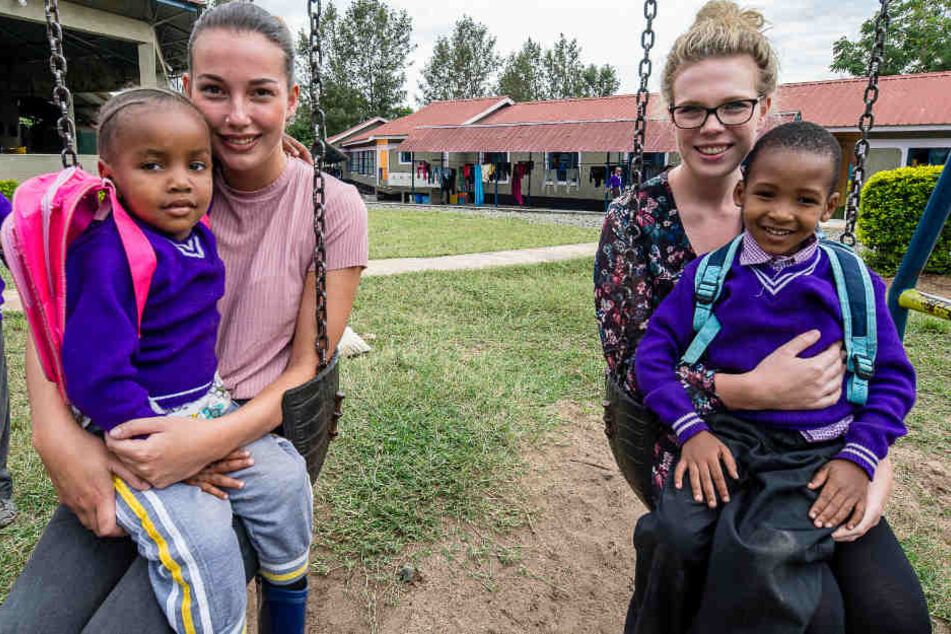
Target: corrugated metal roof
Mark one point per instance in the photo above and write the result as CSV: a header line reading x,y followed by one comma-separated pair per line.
x,y
922,99
351,131
587,109
605,124
436,113
572,136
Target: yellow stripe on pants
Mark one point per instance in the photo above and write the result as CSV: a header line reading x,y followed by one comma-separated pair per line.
x,y
164,556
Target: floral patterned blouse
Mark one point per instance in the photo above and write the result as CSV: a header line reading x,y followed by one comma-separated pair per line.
x,y
634,271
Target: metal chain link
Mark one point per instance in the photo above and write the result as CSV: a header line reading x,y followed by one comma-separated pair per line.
x,y
643,96
866,121
61,95
319,150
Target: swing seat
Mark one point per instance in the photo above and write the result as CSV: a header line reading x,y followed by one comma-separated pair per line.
x,y
310,414
632,431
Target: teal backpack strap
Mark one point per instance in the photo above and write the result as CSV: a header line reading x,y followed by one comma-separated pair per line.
x,y
708,284
859,320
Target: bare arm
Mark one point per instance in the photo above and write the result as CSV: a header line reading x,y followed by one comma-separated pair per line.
x,y
78,463
174,452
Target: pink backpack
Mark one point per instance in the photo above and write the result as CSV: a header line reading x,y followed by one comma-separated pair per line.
x,y
49,212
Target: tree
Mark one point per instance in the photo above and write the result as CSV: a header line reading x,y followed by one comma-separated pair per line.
x,y
366,53
462,65
917,41
600,81
557,73
522,76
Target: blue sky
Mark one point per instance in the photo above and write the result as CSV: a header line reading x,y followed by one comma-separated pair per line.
x,y
609,30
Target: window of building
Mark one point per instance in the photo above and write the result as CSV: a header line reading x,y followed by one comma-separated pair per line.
x,y
561,162
406,158
927,156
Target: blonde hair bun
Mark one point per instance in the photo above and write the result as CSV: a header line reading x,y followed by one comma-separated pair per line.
x,y
723,29
729,14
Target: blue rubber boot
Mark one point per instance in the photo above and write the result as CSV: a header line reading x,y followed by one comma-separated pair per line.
x,y
283,611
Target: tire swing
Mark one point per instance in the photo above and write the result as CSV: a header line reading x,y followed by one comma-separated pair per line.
x,y
632,429
311,411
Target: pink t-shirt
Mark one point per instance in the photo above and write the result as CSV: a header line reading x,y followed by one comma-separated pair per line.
x,y
266,240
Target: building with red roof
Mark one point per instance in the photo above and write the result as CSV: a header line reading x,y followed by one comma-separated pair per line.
x,y
570,146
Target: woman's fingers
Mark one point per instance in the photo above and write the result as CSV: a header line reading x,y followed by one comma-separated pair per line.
x,y
137,427
134,481
799,343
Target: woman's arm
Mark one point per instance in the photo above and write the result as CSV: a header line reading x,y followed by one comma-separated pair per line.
x,y
78,463
175,451
785,381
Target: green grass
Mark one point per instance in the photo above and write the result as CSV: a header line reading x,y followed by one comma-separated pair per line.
x,y
465,370
923,528
404,234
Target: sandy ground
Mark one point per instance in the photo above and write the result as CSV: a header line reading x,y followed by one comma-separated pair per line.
x,y
569,571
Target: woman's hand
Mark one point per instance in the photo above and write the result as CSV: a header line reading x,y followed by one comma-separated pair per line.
x,y
212,479
81,470
785,381
294,148
175,449
878,492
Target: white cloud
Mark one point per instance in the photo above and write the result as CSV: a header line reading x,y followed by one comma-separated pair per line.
x,y
609,31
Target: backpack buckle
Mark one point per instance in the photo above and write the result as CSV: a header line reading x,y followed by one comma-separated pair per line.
x,y
862,367
705,292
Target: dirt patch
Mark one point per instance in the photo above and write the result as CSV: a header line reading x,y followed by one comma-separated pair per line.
x,y
570,569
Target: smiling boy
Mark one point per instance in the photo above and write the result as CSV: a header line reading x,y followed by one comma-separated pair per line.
x,y
795,475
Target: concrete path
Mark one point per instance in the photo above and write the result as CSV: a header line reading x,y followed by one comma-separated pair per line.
x,y
394,266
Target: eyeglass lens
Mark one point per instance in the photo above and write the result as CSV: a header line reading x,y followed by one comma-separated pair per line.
x,y
731,113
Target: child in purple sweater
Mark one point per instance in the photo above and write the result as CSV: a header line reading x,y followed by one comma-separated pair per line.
x,y
155,147
794,476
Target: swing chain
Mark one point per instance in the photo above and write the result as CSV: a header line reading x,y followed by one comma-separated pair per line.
x,y
61,95
866,121
319,150
643,95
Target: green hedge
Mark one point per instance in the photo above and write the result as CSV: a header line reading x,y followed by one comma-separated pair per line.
x,y
892,204
7,187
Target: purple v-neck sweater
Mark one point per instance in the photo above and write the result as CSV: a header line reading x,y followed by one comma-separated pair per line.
x,y
760,309
113,374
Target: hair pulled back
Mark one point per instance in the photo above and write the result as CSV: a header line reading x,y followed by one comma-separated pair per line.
x,y
245,17
113,112
723,29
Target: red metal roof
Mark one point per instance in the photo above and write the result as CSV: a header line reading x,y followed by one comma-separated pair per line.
x,y
588,109
605,124
350,131
922,99
436,113
574,136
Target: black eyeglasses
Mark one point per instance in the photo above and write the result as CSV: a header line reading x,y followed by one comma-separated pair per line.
x,y
731,113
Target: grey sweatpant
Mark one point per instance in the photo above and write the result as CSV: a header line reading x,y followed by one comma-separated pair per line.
x,y
194,557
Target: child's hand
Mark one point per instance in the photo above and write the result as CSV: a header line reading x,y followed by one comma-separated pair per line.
x,y
213,479
844,491
701,455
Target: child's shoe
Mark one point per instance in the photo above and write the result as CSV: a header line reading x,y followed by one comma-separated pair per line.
x,y
283,611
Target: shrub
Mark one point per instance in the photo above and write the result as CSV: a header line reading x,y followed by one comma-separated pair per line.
x,y
7,187
892,203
